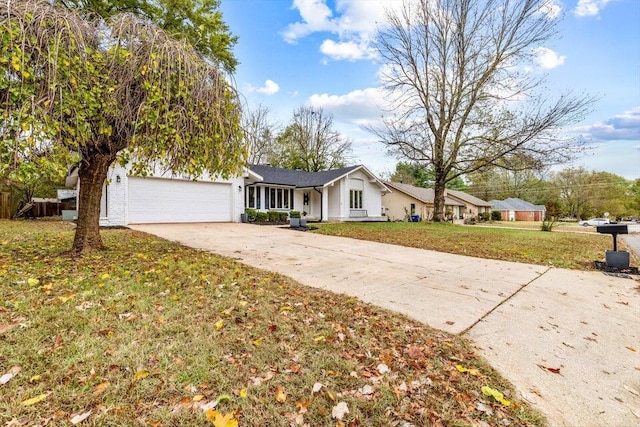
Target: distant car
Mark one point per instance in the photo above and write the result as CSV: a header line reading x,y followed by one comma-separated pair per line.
x,y
595,221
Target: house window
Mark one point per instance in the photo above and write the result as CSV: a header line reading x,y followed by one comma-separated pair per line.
x,y
279,198
355,199
251,197
413,208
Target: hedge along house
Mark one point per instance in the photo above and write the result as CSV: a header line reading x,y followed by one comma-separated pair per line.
x,y
347,194
165,198
408,200
514,209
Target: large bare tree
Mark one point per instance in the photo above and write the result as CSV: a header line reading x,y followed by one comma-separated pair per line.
x,y
120,89
461,97
310,143
259,133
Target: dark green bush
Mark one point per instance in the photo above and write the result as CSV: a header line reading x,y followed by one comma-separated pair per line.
x,y
283,216
484,216
274,216
496,216
251,214
294,214
261,217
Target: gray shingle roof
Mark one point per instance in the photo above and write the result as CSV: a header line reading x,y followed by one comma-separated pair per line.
x,y
468,198
299,179
514,204
425,195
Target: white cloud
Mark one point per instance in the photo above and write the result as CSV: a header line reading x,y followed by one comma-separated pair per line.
x,y
551,8
547,58
316,16
590,7
625,126
361,107
347,50
354,22
270,87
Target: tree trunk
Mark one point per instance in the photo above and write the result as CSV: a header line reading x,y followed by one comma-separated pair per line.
x,y
92,174
438,201
439,188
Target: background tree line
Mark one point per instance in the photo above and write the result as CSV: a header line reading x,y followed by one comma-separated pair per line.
x,y
577,192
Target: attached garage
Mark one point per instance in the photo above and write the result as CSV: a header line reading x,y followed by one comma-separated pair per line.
x,y
161,200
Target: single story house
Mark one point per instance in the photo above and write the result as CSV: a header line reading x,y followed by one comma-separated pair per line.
x,y
408,200
472,205
339,195
347,194
514,209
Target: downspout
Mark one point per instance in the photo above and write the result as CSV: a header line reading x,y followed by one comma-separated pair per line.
x,y
319,192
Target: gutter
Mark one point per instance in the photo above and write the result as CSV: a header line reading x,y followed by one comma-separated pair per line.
x,y
319,192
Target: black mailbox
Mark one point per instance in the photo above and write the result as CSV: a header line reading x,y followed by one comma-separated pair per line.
x,y
614,230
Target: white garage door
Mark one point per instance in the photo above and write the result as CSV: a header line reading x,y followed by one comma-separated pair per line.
x,y
165,200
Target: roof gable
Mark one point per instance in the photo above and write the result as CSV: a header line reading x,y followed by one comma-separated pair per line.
x,y
425,195
304,179
466,197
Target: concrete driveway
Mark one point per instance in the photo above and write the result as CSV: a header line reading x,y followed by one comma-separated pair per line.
x,y
523,318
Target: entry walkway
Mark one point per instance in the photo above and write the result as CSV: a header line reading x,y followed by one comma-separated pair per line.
x,y
524,319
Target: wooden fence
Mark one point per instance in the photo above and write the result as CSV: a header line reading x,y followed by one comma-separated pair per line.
x,y
5,206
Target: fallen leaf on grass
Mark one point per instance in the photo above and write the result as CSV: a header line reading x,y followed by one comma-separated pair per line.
x,y
140,375
219,420
9,375
100,388
77,419
281,396
34,400
33,282
316,388
339,411
243,393
34,379
382,369
219,324
462,369
7,327
488,391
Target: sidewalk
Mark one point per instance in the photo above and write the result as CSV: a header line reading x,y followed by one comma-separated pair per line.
x,y
525,319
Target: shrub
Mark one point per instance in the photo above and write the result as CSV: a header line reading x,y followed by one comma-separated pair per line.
x,y
496,216
274,216
282,217
484,216
251,214
294,214
261,217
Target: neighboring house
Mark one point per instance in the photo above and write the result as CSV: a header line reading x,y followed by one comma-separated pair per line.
x,y
347,194
167,198
472,205
518,210
410,200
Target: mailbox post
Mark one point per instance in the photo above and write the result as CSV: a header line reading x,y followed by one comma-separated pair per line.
x,y
615,258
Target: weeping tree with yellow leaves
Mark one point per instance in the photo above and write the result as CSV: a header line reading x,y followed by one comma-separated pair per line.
x,y
111,90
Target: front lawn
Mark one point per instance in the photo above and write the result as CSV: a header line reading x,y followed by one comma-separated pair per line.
x,y
568,250
151,333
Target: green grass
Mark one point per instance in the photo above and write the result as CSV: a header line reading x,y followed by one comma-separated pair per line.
x,y
567,250
148,332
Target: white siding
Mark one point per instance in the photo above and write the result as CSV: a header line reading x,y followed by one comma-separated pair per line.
x,y
153,200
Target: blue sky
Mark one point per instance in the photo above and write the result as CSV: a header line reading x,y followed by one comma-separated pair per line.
x,y
318,53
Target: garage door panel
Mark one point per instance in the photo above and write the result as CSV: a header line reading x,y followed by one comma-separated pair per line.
x,y
154,200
